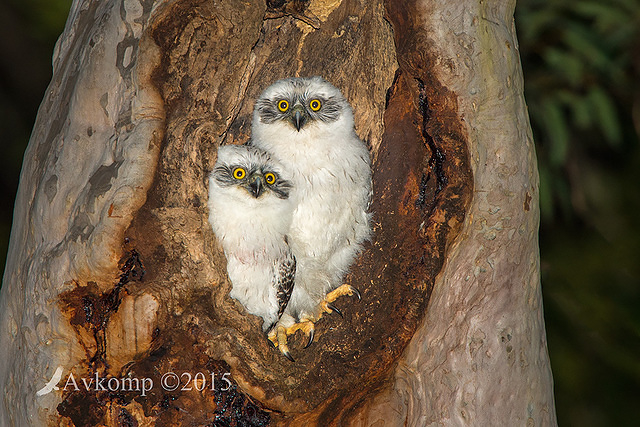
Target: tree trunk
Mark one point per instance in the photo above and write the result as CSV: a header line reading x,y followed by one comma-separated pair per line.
x,y
114,273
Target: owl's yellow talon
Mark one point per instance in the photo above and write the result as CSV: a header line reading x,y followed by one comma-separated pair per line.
x,y
282,343
330,308
278,336
326,306
341,291
311,334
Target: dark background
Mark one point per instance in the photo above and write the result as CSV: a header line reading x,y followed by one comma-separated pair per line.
x,y
581,65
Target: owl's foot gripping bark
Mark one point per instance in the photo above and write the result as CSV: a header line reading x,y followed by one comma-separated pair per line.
x,y
278,335
326,306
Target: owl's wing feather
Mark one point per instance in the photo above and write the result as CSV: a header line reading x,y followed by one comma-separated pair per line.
x,y
284,281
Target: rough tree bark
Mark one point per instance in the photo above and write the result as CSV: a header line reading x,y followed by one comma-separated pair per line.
x,y
113,271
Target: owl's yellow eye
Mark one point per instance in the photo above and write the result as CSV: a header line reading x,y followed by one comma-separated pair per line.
x,y
283,105
315,104
270,178
239,173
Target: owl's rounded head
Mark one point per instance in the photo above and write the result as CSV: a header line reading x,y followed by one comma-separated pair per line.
x,y
251,169
301,102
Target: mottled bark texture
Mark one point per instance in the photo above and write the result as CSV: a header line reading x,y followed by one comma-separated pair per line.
x,y
114,271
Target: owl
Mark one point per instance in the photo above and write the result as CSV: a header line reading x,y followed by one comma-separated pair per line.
x,y
250,211
307,125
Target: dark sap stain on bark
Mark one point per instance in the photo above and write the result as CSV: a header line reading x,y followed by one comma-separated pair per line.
x,y
215,401
125,419
90,309
84,409
206,392
435,179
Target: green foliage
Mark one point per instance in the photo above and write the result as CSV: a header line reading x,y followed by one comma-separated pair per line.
x,y
581,62
578,62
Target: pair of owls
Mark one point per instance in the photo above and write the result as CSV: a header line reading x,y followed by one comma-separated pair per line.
x,y
290,208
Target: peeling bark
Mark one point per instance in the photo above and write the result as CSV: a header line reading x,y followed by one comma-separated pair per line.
x,y
114,271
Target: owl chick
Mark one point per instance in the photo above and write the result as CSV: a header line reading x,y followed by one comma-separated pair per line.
x,y
307,125
250,212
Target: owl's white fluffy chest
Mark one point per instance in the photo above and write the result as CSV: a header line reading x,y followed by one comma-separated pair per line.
x,y
331,175
252,233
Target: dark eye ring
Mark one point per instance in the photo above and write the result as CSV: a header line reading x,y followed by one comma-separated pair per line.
x,y
315,104
283,105
239,173
270,178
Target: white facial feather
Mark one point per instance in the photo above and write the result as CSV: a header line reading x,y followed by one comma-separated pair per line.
x,y
330,170
251,229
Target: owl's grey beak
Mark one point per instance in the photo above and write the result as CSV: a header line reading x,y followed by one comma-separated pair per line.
x,y
255,186
299,117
